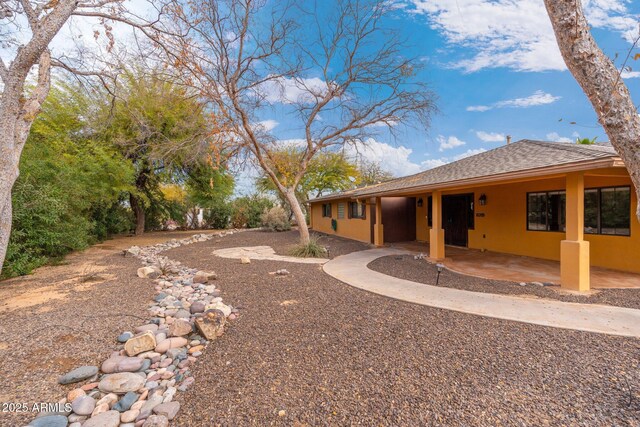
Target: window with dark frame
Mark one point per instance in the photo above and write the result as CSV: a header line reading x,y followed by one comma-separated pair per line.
x,y
357,210
340,210
607,211
547,211
326,210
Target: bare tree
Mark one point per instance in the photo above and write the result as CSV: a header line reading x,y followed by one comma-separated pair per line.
x,y
27,28
339,72
601,81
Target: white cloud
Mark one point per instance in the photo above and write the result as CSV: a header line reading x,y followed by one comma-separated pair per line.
x,y
513,34
630,74
554,136
470,152
537,98
267,125
292,90
391,158
490,136
433,163
479,108
449,143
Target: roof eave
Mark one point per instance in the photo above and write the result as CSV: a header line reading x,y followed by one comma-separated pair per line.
x,y
491,179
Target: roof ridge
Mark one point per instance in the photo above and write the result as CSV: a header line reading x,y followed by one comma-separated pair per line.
x,y
568,146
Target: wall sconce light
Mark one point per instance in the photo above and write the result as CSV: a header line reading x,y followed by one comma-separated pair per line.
x,y
420,202
483,199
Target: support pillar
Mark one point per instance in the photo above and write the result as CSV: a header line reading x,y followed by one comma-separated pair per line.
x,y
378,231
574,251
436,234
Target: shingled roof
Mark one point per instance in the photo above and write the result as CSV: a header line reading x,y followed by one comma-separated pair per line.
x,y
525,156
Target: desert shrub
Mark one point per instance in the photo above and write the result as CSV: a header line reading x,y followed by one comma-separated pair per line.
x,y
313,249
276,219
218,216
247,211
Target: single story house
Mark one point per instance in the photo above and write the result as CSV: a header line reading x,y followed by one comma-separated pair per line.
x,y
558,201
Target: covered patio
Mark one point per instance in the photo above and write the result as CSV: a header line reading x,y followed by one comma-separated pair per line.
x,y
516,268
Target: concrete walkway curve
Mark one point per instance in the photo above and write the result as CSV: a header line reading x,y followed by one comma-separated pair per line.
x,y
352,269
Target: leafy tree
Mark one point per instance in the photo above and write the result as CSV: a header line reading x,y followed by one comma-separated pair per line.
x,y
159,127
327,172
27,27
586,141
372,173
69,191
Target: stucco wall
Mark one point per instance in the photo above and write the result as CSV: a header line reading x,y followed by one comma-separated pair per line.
x,y
356,228
504,229
503,226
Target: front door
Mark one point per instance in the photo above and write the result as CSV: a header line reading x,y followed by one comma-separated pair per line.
x,y
456,211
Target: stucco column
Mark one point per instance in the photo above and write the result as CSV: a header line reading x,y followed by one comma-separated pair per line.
x,y
436,234
574,251
378,230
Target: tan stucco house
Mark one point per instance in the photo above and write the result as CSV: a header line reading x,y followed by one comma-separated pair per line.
x,y
558,201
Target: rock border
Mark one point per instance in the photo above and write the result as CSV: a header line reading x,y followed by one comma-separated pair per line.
x,y
136,385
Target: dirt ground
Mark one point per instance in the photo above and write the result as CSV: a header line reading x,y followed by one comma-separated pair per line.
x,y
68,315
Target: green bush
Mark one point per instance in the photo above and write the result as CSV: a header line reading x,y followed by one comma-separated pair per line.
x,y
276,219
311,250
218,216
247,211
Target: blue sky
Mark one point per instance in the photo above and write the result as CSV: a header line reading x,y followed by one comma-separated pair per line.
x,y
496,70
493,64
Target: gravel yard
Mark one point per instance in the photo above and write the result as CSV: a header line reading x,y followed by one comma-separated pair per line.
x,y
422,271
76,326
309,350
65,316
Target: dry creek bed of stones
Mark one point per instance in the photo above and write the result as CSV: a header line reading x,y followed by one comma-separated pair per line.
x,y
136,385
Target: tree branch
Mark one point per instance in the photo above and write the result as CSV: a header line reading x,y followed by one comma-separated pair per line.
x,y
4,73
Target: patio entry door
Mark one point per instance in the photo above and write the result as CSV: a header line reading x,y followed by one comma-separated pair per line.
x,y
456,210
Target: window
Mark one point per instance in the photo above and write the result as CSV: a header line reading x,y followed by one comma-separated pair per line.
x,y
546,211
326,210
607,211
357,210
340,210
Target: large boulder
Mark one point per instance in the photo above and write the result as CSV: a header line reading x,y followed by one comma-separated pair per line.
x,y
180,328
211,325
150,272
78,374
169,343
104,419
204,276
140,344
121,383
116,364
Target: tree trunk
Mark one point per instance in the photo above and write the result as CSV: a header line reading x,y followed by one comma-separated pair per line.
x,y
601,82
16,117
6,211
301,219
138,210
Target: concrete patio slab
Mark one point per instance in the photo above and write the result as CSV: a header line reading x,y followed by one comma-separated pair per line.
x,y
352,269
263,253
516,268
